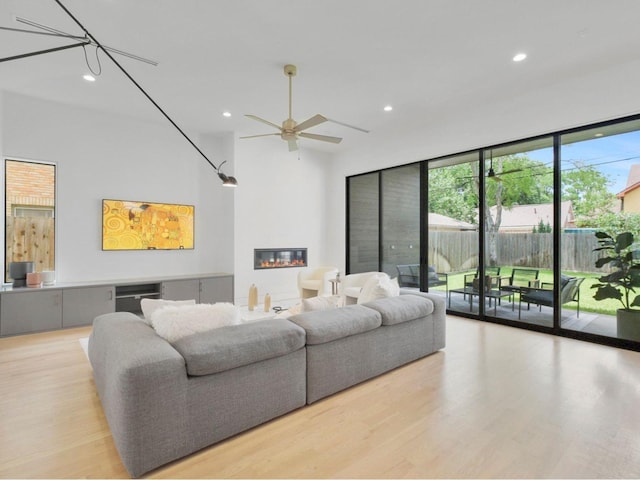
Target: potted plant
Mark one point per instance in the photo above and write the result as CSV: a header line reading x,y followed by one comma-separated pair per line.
x,y
624,262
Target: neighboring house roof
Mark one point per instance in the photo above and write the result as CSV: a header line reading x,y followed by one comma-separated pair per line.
x,y
525,217
627,190
442,222
633,180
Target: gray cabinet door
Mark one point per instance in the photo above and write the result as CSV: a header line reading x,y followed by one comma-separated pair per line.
x,y
216,289
181,290
31,311
81,305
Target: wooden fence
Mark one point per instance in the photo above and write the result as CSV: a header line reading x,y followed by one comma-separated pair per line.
x,y
30,239
458,251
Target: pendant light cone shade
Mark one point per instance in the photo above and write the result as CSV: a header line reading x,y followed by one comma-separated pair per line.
x,y
227,181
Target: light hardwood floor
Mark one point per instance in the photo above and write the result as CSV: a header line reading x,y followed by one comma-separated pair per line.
x,y
497,402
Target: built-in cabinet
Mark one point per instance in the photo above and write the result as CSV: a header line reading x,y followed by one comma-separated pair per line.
x,y
81,305
182,290
202,290
27,310
30,311
215,289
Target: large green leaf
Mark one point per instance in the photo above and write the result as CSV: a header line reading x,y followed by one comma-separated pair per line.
x,y
636,301
601,262
607,291
624,240
603,235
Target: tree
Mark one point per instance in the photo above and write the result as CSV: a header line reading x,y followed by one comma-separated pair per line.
x,y
587,188
451,192
542,227
529,182
614,223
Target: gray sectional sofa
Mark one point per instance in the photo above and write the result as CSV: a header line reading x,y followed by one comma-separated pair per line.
x,y
165,401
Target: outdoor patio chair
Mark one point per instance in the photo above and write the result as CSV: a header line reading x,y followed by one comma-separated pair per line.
x,y
569,292
520,278
409,276
471,279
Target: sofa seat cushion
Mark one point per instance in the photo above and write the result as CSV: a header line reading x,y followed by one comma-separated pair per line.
x,y
234,346
329,325
401,309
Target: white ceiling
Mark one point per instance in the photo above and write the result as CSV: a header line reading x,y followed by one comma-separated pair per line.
x,y
424,57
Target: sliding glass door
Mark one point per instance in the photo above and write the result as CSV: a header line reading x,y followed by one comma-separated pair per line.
x,y
514,233
363,220
452,209
400,232
601,181
518,224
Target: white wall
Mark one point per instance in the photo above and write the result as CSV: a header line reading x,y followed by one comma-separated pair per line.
x,y
281,199
281,202
98,156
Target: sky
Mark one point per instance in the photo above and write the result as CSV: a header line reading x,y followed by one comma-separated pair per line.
x,y
612,155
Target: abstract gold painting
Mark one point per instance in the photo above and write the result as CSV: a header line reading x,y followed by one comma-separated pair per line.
x,y
129,225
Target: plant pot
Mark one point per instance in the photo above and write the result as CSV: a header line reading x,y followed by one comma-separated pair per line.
x,y
628,324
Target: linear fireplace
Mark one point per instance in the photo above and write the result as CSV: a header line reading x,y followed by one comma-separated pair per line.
x,y
279,258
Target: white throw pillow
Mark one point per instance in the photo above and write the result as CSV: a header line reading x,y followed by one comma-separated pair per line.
x,y
175,322
320,303
150,305
379,287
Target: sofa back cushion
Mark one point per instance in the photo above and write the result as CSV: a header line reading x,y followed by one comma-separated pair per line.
x,y
400,309
234,346
328,325
379,287
174,322
150,305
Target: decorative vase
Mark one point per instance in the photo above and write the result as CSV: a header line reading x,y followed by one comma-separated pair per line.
x,y
253,297
267,302
34,280
49,277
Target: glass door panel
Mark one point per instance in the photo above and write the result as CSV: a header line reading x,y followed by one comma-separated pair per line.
x,y
363,223
518,226
453,229
401,224
600,177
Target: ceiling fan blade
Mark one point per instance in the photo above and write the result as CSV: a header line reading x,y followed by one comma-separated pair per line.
x,y
293,145
311,122
264,121
263,135
511,171
347,125
323,138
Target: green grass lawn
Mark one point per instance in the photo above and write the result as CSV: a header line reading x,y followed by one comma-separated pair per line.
x,y
587,302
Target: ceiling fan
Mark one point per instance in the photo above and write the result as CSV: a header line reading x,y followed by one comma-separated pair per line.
x,y
495,176
290,131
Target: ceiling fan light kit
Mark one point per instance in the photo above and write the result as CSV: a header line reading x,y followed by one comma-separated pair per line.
x,y
291,131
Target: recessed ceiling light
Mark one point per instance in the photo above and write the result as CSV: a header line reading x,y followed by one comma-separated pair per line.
x,y
226,114
599,135
388,108
89,78
519,57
